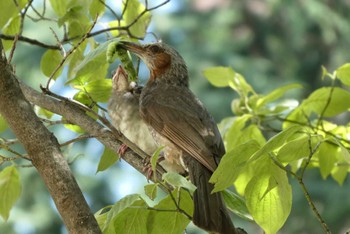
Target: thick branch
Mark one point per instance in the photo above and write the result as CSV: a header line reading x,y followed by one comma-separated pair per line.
x,y
135,157
44,151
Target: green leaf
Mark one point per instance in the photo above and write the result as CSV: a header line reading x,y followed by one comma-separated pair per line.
x,y
154,159
8,9
114,24
59,6
12,28
75,59
220,76
108,158
101,216
93,67
178,181
3,124
269,205
343,73
171,221
275,94
232,164
118,208
297,148
340,173
132,219
276,141
49,62
133,10
99,90
327,158
151,190
10,190
236,204
96,8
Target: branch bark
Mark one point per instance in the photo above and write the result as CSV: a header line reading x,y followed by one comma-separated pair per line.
x,y
109,137
45,154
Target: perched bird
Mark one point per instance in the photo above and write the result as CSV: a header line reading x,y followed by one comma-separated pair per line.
x,y
123,109
182,124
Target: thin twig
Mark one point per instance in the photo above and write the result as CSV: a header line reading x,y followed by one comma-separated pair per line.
x,y
312,205
79,138
13,49
69,53
59,43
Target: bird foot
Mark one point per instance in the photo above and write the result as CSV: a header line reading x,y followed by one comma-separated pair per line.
x,y
147,169
122,149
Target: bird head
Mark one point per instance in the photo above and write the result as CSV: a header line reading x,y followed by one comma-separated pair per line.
x,y
164,62
120,80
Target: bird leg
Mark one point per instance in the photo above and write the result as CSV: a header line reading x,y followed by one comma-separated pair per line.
x,y
147,169
122,149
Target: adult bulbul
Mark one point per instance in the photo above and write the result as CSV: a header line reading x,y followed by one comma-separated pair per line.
x,y
123,109
182,124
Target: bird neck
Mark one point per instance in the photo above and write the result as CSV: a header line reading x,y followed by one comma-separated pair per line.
x,y
175,76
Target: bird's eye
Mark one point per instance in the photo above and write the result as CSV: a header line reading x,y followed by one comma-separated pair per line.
x,y
154,49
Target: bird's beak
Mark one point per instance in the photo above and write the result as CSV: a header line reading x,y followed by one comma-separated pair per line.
x,y
133,47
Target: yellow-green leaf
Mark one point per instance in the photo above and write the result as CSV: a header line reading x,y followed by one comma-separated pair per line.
x,y
3,124
231,165
171,222
10,190
50,61
343,73
131,16
151,190
108,158
269,206
178,181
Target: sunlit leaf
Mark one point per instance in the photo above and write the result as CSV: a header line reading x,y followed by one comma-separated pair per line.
x,y
343,73
132,13
50,61
327,158
340,172
132,220
220,76
231,165
3,124
10,190
12,28
269,206
169,220
98,90
8,9
178,181
93,67
75,59
276,141
96,8
108,159
151,190
236,204
59,6
275,94
296,149
117,211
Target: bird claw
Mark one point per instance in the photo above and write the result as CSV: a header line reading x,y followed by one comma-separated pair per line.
x,y
122,149
147,169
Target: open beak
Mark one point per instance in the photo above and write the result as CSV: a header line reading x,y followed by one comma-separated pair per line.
x,y
133,47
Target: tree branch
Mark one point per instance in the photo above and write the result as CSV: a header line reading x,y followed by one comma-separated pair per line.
x,y
44,151
78,116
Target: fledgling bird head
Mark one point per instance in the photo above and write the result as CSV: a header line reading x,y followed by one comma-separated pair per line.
x,y
120,80
164,62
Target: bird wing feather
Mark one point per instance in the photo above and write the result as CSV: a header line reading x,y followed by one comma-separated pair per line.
x,y
181,118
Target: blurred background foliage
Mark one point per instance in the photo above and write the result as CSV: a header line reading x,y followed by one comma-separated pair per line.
x,y
270,42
